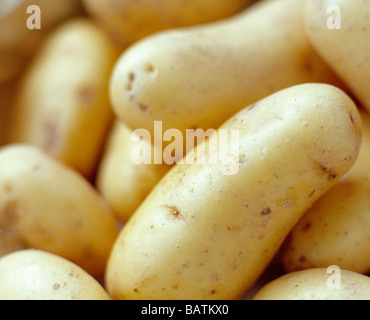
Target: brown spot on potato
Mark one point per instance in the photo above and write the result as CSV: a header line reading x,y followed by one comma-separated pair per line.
x,y
173,210
56,286
329,172
312,193
306,226
10,213
266,212
143,107
149,68
87,95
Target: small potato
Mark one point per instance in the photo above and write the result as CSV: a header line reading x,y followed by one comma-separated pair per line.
x,y
124,184
317,284
347,49
48,206
199,77
63,105
336,230
208,231
129,21
38,275
18,43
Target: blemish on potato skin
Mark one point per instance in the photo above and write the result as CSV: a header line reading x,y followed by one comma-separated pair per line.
x,y
173,210
306,226
266,212
9,214
331,174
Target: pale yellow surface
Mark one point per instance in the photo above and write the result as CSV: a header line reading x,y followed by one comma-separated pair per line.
x,y
123,183
63,105
47,206
198,77
346,50
38,275
336,230
202,234
317,284
129,20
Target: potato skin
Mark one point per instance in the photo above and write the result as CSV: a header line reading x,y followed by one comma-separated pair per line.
x,y
350,61
208,73
48,206
17,43
63,105
336,232
312,284
129,21
38,275
123,184
204,235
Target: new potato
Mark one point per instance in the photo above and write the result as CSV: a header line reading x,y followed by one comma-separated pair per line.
x,y
347,49
129,21
317,284
336,230
38,275
205,234
48,206
198,77
124,184
63,105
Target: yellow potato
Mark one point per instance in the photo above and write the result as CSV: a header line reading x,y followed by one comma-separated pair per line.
x,y
38,275
347,49
48,206
130,20
336,230
208,233
63,104
317,284
17,42
198,77
124,184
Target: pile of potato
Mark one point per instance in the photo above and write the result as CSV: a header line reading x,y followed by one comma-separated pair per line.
x,y
80,220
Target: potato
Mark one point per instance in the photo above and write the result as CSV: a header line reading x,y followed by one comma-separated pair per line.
x,y
63,105
208,233
317,284
38,275
124,184
199,77
347,49
18,43
129,21
333,231
48,206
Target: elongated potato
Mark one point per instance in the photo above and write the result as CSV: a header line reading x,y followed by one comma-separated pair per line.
x,y
199,77
124,184
317,284
47,206
347,49
336,230
18,43
39,275
129,21
63,104
204,233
